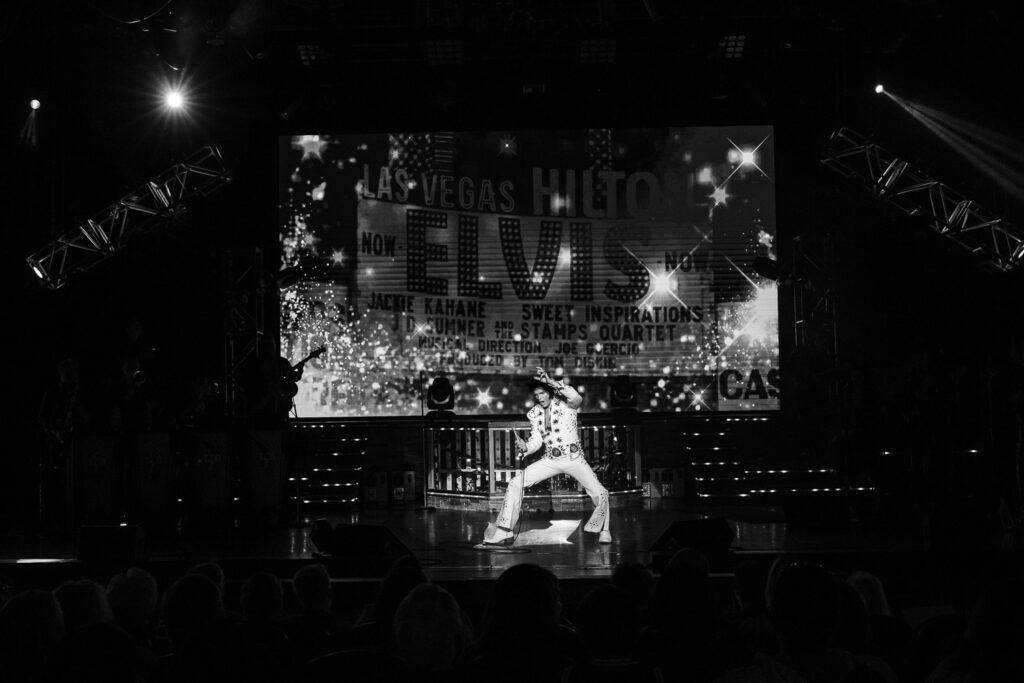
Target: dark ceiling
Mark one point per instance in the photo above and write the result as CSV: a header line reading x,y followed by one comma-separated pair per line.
x,y
313,58
255,69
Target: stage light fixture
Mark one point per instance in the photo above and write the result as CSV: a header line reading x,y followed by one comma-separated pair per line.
x,y
623,393
174,99
879,89
441,394
33,104
37,270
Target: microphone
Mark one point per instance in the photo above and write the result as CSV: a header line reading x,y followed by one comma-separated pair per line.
x,y
521,445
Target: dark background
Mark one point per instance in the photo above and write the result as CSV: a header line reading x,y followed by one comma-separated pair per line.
x,y
926,335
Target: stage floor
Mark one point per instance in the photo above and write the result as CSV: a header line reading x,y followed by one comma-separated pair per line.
x,y
443,540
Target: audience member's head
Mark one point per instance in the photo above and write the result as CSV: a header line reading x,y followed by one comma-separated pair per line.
x,y
749,581
133,597
804,606
993,644
83,603
524,607
430,631
996,623
262,597
682,597
31,625
213,572
606,620
636,581
404,575
312,586
690,558
853,625
191,606
872,591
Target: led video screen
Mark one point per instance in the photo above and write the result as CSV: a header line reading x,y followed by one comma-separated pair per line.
x,y
606,256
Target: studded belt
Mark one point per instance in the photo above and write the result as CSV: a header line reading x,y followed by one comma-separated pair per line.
x,y
574,450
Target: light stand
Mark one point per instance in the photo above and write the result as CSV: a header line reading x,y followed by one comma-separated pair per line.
x,y
423,445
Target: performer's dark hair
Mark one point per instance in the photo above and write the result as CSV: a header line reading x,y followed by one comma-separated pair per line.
x,y
537,384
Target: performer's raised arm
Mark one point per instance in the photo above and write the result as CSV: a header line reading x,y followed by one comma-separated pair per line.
x,y
561,389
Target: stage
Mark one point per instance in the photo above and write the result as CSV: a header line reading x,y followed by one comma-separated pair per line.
x,y
443,540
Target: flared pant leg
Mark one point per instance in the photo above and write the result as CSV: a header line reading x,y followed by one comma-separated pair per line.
x,y
546,468
508,515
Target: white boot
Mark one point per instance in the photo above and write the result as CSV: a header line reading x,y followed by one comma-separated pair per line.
x,y
499,537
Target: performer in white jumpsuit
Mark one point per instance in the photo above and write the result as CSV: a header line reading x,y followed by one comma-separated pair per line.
x,y
553,427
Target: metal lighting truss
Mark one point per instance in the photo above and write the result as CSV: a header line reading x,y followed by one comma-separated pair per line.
x,y
947,211
814,296
152,204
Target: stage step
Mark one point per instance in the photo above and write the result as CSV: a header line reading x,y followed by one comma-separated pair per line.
x,y
744,480
329,468
733,459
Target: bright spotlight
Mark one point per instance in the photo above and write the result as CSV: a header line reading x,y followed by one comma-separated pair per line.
x,y
174,100
34,104
746,158
879,89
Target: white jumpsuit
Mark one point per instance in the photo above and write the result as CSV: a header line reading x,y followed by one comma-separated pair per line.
x,y
556,430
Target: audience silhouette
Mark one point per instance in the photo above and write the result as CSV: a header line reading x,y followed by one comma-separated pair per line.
x,y
432,634
522,633
794,622
31,628
315,630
